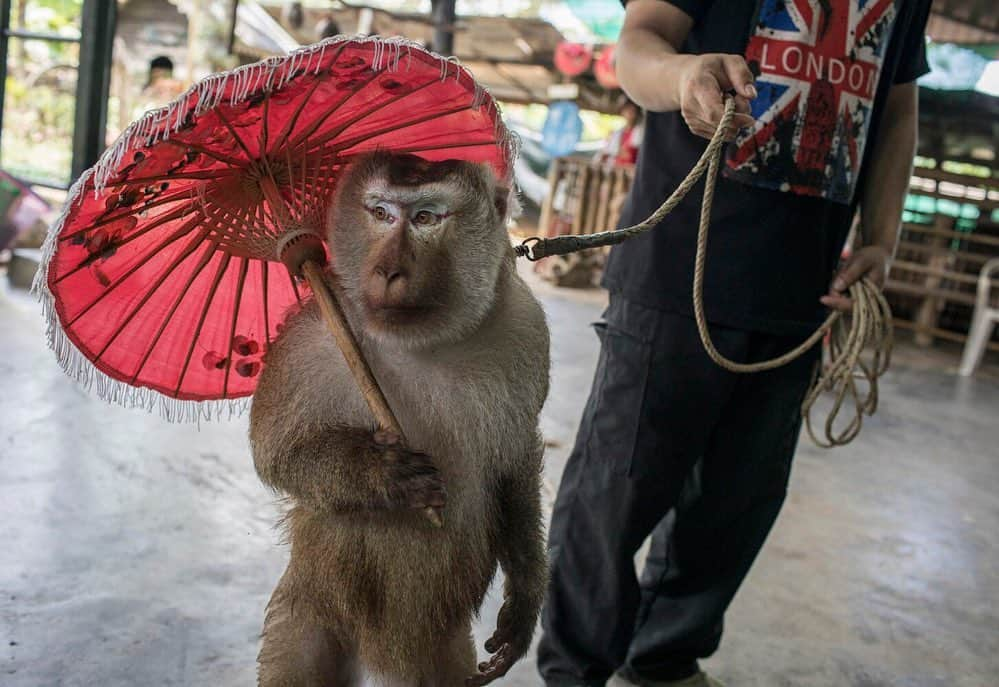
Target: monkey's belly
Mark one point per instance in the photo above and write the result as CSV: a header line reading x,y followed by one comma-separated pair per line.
x,y
396,584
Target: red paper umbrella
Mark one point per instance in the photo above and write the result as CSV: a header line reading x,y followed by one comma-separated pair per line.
x,y
572,59
604,70
165,274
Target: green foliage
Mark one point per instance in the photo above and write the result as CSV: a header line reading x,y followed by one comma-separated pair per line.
x,y
52,16
38,130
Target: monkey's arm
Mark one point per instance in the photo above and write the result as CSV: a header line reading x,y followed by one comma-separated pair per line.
x,y
338,468
522,557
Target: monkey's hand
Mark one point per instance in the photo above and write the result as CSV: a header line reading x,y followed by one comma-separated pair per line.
x,y
410,479
512,639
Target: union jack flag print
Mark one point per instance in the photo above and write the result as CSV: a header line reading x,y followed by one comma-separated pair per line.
x,y
818,64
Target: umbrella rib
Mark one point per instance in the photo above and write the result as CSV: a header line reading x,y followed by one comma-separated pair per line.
x,y
181,293
206,174
167,217
212,246
181,143
419,149
150,291
183,195
233,219
223,266
232,130
184,229
265,128
267,324
319,121
298,111
306,183
396,127
235,317
367,113
293,121
294,287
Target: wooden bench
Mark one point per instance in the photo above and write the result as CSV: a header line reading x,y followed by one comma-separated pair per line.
x,y
582,199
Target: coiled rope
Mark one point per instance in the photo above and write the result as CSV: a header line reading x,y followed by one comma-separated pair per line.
x,y
869,323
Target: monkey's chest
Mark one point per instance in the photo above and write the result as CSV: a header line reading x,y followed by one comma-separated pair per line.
x,y
466,422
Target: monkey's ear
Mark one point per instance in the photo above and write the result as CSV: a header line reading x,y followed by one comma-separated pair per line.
x,y
500,196
506,202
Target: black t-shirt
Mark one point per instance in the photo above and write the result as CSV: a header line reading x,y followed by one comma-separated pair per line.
x,y
786,197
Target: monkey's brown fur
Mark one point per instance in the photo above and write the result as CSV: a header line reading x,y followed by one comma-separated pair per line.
x,y
460,348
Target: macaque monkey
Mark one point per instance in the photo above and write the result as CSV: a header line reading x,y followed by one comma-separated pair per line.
x,y
424,271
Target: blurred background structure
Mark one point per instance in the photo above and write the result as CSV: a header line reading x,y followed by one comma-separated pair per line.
x,y
921,609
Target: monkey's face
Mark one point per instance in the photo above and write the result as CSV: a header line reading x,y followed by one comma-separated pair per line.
x,y
418,246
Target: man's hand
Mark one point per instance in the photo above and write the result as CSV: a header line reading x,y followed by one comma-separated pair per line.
x,y
703,82
870,262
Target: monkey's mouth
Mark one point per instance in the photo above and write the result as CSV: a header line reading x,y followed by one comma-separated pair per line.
x,y
400,313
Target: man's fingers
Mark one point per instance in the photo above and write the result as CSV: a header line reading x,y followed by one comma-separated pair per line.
x,y
742,105
708,96
851,272
707,130
739,77
738,121
837,302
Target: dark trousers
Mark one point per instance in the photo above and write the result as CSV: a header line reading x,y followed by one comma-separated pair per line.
x,y
673,445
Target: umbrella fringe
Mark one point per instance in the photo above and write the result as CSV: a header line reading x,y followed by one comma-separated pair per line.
x,y
158,125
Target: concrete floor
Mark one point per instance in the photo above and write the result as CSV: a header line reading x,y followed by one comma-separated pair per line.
x,y
142,553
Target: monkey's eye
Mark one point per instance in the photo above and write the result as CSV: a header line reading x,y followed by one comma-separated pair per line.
x,y
424,217
381,213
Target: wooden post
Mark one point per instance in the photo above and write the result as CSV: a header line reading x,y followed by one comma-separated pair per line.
x,y
581,182
603,209
544,222
444,15
940,259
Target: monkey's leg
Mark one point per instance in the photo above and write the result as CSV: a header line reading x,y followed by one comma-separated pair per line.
x,y
299,650
454,661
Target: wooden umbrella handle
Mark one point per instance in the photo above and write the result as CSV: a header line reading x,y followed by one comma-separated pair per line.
x,y
337,322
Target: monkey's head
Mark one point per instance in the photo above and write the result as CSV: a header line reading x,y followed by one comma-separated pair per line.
x,y
418,246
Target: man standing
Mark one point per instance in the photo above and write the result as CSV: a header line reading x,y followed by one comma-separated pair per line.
x,y
670,444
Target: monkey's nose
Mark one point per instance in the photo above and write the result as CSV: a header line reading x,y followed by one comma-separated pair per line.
x,y
390,274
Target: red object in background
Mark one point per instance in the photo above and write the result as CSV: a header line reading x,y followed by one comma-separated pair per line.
x,y
20,209
603,68
627,153
164,272
572,59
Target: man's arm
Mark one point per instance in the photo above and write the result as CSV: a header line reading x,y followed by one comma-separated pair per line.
x,y
658,77
882,194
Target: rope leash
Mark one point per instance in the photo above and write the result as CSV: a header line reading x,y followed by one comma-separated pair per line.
x,y
869,323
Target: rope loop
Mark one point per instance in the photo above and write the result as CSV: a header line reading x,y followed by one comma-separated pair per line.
x,y
869,324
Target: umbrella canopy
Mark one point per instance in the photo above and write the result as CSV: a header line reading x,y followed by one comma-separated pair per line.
x,y
162,281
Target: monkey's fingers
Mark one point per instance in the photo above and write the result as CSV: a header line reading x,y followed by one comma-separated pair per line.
x,y
503,635
435,516
386,437
495,667
426,492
